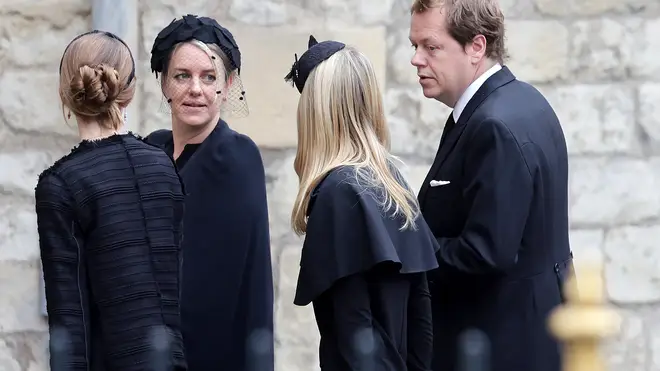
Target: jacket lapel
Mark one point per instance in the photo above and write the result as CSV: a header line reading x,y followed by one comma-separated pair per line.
x,y
447,133
450,137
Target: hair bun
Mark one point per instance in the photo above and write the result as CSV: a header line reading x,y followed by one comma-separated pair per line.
x,y
95,88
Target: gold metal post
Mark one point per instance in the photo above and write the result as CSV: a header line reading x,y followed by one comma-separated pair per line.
x,y
584,321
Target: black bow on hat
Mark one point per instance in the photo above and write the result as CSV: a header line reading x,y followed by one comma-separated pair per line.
x,y
316,53
204,29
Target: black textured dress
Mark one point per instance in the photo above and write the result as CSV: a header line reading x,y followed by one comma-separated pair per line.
x,y
109,219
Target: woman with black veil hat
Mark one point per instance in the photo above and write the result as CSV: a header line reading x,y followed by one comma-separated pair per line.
x,y
227,287
366,248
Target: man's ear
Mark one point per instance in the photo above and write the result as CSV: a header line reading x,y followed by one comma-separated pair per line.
x,y
477,48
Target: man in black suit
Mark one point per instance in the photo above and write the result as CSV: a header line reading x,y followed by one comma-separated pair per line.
x,y
496,196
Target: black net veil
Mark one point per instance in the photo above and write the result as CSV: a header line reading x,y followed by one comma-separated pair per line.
x,y
209,46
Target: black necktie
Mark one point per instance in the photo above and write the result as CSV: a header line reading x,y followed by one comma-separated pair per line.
x,y
449,125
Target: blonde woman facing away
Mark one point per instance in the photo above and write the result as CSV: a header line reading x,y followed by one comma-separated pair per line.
x,y
366,249
109,220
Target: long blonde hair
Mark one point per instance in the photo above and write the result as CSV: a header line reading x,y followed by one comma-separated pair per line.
x,y
341,122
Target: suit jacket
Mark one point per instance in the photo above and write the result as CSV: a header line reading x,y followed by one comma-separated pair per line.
x,y
499,210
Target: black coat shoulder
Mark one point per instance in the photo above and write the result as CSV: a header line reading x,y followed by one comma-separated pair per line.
x,y
349,231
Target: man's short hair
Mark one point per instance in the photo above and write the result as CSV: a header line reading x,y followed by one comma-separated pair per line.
x,y
469,18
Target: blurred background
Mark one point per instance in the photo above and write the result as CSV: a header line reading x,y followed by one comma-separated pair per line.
x,y
597,62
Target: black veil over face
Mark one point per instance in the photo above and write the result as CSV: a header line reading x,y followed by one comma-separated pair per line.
x,y
208,31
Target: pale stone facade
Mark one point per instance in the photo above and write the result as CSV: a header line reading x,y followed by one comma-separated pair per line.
x,y
597,61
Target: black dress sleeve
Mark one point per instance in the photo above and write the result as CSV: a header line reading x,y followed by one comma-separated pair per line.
x,y
64,275
351,310
420,326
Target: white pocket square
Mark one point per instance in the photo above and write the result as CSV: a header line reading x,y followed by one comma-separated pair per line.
x,y
437,183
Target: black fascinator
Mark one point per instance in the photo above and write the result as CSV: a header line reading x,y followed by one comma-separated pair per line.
x,y
204,29
316,53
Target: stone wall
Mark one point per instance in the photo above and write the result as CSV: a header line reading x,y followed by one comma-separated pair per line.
x,y
596,60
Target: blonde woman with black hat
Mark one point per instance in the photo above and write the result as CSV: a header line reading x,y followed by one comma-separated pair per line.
x,y
366,250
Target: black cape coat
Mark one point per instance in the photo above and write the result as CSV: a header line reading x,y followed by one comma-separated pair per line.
x,y
227,285
366,279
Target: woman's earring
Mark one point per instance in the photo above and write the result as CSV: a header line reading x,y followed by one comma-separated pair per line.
x,y
68,115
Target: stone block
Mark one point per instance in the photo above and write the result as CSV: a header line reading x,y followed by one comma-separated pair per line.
x,y
615,48
649,114
587,247
26,351
282,187
653,335
415,122
598,7
369,12
332,14
18,232
400,71
32,42
29,101
629,350
517,9
260,13
156,15
297,335
632,257
20,170
5,133
372,12
58,13
273,102
291,358
20,303
610,192
596,119
298,326
595,7
7,358
54,146
539,50
155,113
553,7
603,48
645,44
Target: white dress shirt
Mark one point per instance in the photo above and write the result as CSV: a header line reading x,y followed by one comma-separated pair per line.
x,y
472,89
